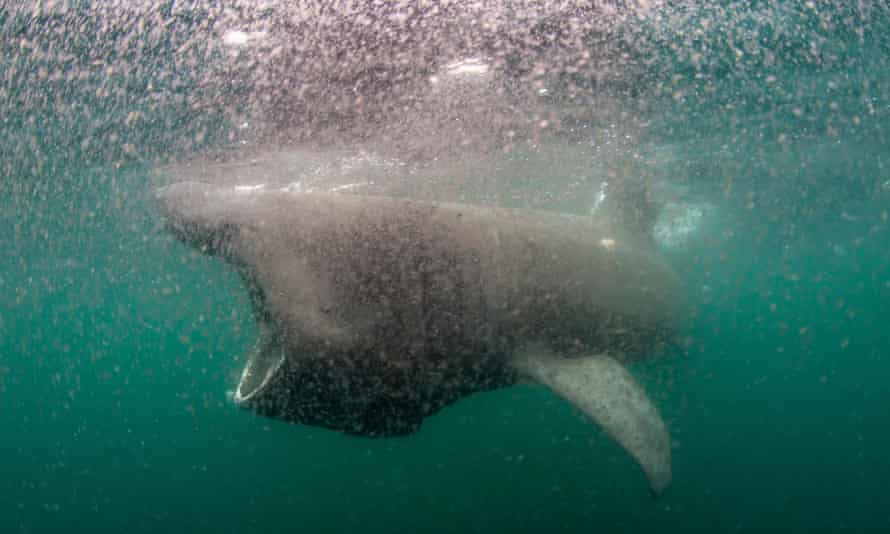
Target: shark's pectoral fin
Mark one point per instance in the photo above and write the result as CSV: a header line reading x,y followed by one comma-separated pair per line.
x,y
607,393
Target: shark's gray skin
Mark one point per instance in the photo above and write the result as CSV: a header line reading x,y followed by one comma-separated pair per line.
x,y
376,312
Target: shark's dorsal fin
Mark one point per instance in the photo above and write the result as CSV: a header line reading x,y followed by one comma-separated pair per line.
x,y
606,392
627,206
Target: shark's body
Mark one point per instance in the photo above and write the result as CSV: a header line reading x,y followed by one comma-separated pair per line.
x,y
376,312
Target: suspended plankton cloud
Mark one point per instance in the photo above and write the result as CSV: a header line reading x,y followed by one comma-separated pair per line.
x,y
407,220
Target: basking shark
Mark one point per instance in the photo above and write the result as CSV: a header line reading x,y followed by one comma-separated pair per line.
x,y
376,312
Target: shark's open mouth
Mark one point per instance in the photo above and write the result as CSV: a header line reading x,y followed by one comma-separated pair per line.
x,y
261,367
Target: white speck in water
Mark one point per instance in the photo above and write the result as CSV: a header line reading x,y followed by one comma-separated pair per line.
x,y
249,188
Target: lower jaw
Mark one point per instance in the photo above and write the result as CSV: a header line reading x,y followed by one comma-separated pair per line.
x,y
262,365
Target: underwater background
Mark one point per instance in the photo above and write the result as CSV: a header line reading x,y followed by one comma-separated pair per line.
x,y
118,345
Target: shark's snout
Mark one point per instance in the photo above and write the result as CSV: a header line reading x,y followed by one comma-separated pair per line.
x,y
196,214
179,199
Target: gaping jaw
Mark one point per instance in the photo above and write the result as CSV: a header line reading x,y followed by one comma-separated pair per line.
x,y
205,217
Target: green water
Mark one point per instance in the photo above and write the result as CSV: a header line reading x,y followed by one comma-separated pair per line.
x,y
117,344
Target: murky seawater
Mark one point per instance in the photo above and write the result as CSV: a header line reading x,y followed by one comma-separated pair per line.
x,y
762,127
